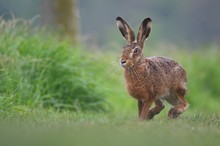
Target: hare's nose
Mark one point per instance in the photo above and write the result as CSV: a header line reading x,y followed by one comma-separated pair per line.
x,y
123,62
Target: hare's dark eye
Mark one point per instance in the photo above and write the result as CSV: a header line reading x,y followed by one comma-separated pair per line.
x,y
136,50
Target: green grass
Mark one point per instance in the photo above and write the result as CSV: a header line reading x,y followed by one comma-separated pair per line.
x,y
69,128
54,92
37,70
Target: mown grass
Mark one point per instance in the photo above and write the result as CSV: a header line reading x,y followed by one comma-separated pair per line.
x,y
69,128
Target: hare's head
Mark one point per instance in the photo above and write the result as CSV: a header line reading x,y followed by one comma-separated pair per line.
x,y
132,53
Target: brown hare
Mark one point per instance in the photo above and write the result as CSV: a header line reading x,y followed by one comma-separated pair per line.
x,y
151,80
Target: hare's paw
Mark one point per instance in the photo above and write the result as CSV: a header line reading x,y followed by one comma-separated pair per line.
x,y
174,113
150,114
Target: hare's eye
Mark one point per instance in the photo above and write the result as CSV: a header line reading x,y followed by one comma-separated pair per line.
x,y
135,50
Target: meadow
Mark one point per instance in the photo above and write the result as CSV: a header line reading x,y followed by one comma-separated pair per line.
x,y
54,91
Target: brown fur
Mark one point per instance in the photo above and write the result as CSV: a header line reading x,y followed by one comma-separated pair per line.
x,y
151,80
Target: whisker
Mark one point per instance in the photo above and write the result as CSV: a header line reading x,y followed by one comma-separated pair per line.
x,y
114,68
113,63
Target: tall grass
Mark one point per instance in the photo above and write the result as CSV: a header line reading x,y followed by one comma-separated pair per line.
x,y
39,70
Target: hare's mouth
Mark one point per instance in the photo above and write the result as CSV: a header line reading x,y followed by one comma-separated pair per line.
x,y
123,63
126,64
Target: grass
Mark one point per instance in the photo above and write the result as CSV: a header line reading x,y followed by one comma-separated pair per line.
x,y
69,128
37,70
55,93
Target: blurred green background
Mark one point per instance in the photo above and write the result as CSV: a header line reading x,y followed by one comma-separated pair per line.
x,y
59,68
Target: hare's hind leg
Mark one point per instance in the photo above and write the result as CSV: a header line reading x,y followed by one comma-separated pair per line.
x,y
181,106
159,106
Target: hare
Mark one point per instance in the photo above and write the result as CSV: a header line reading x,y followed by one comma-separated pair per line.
x,y
151,80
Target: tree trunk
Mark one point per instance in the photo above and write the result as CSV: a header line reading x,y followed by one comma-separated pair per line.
x,y
61,15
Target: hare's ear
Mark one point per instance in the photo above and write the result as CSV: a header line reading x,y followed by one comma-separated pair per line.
x,y
144,31
125,30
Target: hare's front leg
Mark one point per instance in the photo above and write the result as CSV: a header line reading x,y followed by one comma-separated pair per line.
x,y
143,107
159,106
140,106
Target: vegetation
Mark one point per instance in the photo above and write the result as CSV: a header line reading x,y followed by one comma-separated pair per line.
x,y
69,128
54,92
39,71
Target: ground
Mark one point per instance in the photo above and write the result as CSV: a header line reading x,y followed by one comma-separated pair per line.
x,y
71,128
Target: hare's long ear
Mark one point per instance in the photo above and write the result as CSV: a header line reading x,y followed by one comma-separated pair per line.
x,y
144,31
125,30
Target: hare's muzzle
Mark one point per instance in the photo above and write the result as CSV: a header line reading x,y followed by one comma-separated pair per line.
x,y
123,62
